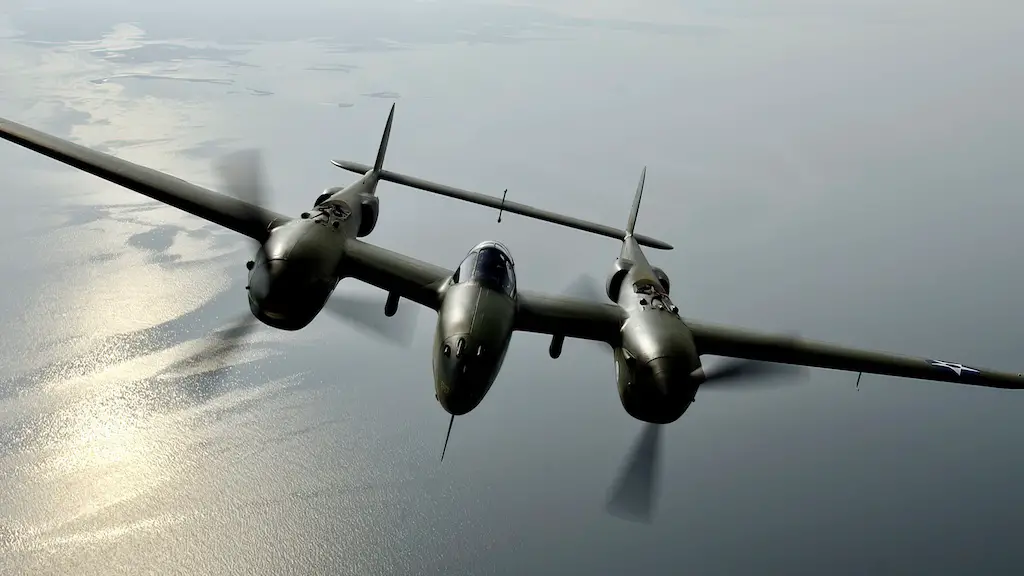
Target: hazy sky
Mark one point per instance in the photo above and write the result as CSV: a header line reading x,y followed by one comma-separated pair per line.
x,y
848,170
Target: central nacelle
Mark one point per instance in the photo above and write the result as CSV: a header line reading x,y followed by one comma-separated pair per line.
x,y
474,328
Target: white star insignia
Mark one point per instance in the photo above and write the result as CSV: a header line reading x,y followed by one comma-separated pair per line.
x,y
955,367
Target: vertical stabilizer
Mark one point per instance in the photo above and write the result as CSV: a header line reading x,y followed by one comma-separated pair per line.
x,y
378,164
631,223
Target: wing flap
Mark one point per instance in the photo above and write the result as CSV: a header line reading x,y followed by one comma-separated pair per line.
x,y
233,214
738,343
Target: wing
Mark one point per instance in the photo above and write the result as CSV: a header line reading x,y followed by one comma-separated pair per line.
x,y
725,341
406,276
570,317
422,282
242,217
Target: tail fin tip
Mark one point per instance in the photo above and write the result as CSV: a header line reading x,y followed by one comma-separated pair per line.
x,y
378,164
631,224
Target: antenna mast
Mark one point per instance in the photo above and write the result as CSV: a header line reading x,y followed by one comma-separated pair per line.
x,y
447,436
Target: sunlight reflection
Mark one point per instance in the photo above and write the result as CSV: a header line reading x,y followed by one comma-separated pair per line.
x,y
129,295
153,130
113,457
96,300
115,448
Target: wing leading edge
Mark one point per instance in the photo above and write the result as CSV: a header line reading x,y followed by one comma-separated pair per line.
x,y
569,317
232,213
408,277
393,272
422,283
738,343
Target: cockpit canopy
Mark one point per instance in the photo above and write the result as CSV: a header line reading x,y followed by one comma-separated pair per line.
x,y
488,264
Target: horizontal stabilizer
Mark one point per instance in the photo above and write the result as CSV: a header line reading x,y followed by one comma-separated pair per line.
x,y
498,203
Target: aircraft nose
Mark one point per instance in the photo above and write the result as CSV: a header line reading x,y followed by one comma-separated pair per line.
x,y
459,357
462,373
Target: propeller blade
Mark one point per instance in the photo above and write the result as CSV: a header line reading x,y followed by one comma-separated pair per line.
x,y
738,371
632,497
241,174
586,287
368,314
222,345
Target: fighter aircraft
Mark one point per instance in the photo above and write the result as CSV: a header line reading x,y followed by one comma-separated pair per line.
x,y
657,353
298,261
479,305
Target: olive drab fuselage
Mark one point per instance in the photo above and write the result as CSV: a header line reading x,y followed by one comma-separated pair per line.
x,y
474,327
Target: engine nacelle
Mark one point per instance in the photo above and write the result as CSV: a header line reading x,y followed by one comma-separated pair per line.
x,y
368,218
327,194
614,282
662,277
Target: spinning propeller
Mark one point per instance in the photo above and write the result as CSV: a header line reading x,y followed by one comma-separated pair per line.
x,y
632,496
241,175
